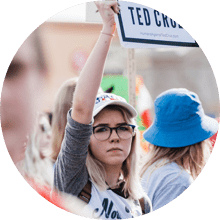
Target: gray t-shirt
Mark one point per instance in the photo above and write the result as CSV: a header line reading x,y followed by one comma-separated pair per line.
x,y
165,183
70,173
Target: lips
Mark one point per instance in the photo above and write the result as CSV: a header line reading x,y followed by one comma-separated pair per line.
x,y
114,149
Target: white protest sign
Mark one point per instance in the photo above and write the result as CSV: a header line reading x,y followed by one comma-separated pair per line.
x,y
142,27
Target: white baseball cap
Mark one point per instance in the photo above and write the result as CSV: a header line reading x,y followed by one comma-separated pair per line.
x,y
105,99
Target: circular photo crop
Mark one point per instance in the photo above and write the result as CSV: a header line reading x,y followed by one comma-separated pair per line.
x,y
110,110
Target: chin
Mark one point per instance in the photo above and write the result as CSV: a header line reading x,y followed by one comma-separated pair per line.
x,y
115,162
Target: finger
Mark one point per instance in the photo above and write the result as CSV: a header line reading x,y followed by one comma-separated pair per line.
x,y
107,5
96,2
112,5
115,8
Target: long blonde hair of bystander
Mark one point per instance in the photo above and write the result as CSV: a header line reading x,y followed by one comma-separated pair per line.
x,y
191,158
62,104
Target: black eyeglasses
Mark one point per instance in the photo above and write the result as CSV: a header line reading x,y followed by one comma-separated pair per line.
x,y
102,132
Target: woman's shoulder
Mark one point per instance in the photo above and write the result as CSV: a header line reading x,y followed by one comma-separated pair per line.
x,y
169,173
177,174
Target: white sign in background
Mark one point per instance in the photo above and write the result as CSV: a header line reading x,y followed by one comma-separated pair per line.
x,y
142,27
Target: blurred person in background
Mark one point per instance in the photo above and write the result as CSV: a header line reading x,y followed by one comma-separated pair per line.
x,y
36,167
44,132
62,104
179,145
20,96
19,106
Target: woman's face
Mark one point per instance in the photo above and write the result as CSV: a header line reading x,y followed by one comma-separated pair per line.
x,y
113,151
43,135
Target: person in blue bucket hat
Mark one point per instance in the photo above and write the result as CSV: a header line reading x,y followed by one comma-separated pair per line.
x,y
179,145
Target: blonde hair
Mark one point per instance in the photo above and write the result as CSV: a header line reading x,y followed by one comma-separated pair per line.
x,y
129,169
62,105
191,158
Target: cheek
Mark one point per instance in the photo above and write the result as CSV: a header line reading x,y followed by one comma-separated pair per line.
x,y
96,149
93,145
127,147
92,142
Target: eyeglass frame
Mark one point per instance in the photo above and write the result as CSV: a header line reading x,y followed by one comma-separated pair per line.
x,y
114,128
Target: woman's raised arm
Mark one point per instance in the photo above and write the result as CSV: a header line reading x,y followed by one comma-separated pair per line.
x,y
91,75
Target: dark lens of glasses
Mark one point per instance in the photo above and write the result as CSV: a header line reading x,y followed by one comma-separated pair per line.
x,y
103,132
125,131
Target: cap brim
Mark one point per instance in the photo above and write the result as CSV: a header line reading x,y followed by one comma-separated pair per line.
x,y
129,107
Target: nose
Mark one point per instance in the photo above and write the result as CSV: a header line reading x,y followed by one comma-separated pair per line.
x,y
114,136
49,135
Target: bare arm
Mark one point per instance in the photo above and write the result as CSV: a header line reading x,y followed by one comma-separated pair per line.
x,y
91,75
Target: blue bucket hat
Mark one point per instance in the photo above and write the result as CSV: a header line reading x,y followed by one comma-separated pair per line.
x,y
179,120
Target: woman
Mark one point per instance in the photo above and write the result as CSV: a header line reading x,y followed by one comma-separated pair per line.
x,y
98,157
62,104
37,169
179,145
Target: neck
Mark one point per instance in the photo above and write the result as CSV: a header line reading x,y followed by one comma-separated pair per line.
x,y
112,175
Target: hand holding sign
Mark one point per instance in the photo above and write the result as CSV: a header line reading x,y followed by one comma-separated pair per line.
x,y
107,9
